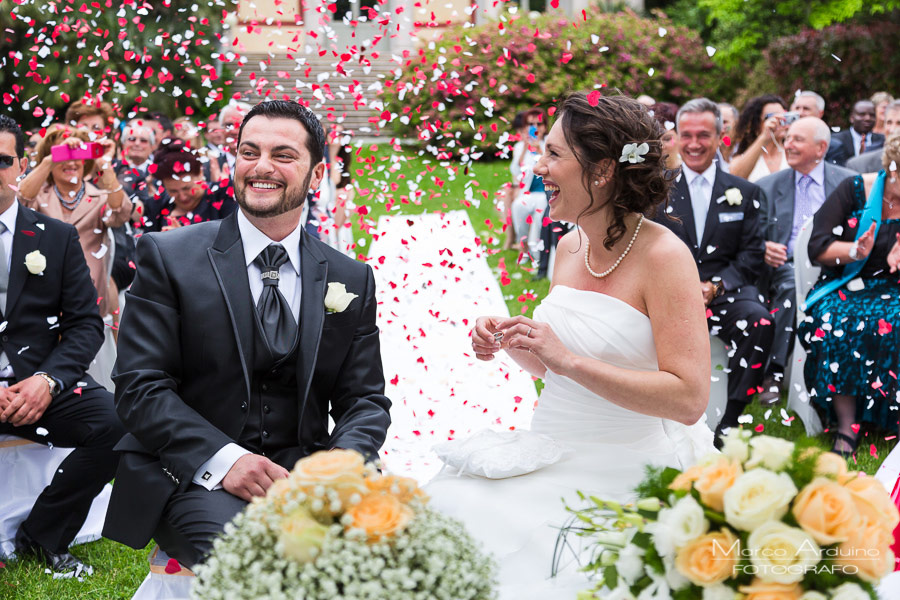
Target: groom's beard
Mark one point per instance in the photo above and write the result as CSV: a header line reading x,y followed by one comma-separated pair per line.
x,y
291,198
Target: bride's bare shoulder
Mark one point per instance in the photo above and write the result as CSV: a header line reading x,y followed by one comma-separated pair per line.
x,y
664,251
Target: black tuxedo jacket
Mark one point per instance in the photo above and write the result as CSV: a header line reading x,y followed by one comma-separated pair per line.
x,y
185,363
732,248
51,322
841,149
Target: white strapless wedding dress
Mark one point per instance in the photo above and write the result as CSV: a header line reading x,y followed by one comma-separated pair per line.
x,y
517,518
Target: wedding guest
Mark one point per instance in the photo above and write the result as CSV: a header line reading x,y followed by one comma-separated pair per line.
x,y
162,126
664,113
760,131
790,197
808,104
870,162
851,332
341,174
133,169
530,203
52,330
188,198
187,131
63,190
858,138
225,379
881,100
716,215
730,116
93,115
621,328
230,119
511,189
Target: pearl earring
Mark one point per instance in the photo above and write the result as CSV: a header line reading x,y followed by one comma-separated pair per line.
x,y
596,182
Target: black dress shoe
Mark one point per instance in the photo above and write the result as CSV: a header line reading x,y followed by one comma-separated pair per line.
x,y
771,394
59,562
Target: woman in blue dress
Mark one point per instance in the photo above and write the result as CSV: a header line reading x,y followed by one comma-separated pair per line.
x,y
852,329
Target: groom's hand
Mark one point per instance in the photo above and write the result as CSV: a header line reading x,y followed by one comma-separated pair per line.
x,y
251,475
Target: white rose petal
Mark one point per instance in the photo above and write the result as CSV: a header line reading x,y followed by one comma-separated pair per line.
x,y
630,565
812,595
734,444
718,591
757,496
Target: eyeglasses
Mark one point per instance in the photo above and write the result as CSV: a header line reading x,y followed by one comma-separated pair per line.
x,y
133,139
7,161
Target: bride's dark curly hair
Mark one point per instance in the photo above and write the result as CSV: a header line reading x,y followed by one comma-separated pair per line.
x,y
598,132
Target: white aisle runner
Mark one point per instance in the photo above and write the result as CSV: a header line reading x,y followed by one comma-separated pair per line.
x,y
433,282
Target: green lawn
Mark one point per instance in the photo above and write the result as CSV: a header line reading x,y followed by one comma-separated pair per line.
x,y
384,175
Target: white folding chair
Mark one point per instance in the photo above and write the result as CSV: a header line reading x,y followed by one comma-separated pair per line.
x,y
805,276
888,474
26,468
718,388
165,581
102,365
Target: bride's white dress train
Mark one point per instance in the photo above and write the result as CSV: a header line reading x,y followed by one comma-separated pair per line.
x,y
517,518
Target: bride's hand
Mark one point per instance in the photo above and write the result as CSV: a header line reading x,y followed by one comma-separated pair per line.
x,y
483,341
522,333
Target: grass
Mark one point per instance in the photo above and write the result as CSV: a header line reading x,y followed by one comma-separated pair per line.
x,y
384,175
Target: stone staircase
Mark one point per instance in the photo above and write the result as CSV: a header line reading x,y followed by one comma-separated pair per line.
x,y
352,97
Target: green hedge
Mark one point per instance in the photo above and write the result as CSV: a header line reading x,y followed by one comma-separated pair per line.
x,y
843,63
470,83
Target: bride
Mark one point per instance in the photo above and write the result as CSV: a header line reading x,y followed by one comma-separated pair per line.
x,y
620,342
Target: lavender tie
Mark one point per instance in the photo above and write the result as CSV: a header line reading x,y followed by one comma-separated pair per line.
x,y
803,209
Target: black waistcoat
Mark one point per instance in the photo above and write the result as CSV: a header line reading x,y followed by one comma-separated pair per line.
x,y
273,411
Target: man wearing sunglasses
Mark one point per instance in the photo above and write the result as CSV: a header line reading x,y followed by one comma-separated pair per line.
x,y
50,332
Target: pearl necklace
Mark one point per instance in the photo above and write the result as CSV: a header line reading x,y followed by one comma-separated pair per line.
x,y
587,254
70,204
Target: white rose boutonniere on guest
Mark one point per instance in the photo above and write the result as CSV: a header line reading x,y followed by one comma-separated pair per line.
x,y
733,196
35,262
338,298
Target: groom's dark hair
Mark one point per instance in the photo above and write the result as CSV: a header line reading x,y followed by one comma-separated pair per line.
x,y
286,109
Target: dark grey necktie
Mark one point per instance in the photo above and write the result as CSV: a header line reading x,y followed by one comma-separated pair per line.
x,y
278,323
4,271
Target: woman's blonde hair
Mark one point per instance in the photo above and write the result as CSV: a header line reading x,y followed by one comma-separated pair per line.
x,y
56,133
891,152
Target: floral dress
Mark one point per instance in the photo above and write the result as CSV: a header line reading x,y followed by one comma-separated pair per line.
x,y
852,335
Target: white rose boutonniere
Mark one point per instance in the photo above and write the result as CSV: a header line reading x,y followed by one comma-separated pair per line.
x,y
733,196
35,262
338,298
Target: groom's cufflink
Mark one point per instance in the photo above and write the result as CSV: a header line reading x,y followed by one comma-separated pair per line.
x,y
206,476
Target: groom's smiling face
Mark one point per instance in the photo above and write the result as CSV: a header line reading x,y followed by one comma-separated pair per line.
x,y
273,170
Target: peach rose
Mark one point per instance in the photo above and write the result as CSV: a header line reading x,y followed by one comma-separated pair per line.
x,y
760,590
685,479
873,501
825,510
715,479
711,558
379,515
830,464
340,470
404,489
867,553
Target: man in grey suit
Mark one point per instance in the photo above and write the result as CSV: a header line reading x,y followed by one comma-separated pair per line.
x,y
789,198
870,162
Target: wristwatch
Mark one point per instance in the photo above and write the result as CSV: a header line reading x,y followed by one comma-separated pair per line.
x,y
54,388
718,289
853,253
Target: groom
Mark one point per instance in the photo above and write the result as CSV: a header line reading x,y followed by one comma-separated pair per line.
x,y
220,389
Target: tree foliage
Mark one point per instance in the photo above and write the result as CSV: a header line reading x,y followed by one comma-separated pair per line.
x,y
464,89
741,30
158,55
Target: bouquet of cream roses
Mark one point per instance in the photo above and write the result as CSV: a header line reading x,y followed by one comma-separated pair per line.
x,y
336,528
764,520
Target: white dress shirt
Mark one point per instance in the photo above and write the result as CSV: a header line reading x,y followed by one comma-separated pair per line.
x,y
211,473
8,218
700,201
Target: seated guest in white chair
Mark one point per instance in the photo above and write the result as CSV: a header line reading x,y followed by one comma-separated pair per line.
x,y
715,214
789,198
48,306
